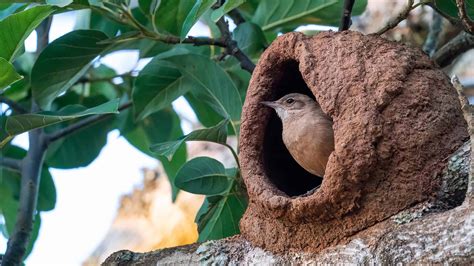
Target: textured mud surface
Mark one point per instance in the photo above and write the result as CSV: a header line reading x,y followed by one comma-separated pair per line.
x,y
396,120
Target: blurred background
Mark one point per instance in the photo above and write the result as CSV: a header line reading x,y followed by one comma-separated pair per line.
x,y
123,201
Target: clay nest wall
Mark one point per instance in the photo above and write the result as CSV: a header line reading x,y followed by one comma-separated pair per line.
x,y
396,120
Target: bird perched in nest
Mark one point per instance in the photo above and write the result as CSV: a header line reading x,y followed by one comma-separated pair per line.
x,y
307,131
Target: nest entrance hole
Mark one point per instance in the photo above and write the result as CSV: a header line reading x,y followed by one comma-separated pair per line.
x,y
280,167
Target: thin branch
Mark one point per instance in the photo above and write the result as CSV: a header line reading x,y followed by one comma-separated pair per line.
x,y
232,47
196,41
458,45
30,176
467,23
10,163
13,105
466,108
102,79
402,16
82,124
346,15
431,41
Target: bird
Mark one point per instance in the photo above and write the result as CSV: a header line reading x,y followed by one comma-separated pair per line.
x,y
307,131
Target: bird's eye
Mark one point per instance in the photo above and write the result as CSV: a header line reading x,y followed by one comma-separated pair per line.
x,y
290,101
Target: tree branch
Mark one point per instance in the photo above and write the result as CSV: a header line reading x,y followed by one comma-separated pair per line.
x,y
30,176
346,15
196,41
10,163
458,45
402,16
13,105
232,47
467,23
82,124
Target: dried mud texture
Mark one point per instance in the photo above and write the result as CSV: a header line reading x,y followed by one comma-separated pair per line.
x,y
396,120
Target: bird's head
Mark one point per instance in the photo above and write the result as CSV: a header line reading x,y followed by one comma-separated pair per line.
x,y
292,105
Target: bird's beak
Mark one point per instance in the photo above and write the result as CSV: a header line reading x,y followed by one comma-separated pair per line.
x,y
273,105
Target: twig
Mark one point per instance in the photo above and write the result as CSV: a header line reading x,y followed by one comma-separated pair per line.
x,y
458,45
13,105
403,15
82,124
10,163
31,167
467,23
196,41
232,47
346,15
431,41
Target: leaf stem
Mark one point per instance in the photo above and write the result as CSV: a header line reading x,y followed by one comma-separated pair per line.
x,y
236,157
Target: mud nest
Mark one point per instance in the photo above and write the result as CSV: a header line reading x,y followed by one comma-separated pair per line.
x,y
396,120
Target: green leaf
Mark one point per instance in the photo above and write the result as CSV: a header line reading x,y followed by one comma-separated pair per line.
x,y
8,74
15,29
148,6
63,62
211,84
10,181
82,146
203,175
103,88
171,14
205,114
9,210
217,134
219,216
250,38
59,3
18,124
449,7
277,14
228,6
156,87
200,6
159,127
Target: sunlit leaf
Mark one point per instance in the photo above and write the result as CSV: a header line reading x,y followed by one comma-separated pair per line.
x,y
18,124
228,6
212,84
171,14
63,62
200,6
8,74
217,134
15,29
157,86
274,14
203,175
219,216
